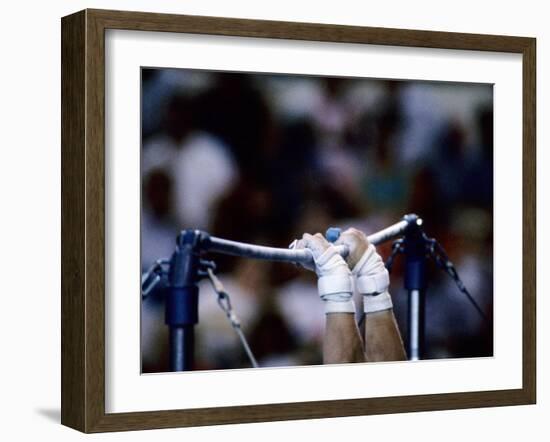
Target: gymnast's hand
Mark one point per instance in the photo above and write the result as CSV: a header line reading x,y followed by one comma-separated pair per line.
x,y
372,278
334,281
357,244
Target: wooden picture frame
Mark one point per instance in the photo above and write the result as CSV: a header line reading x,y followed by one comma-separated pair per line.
x,y
83,220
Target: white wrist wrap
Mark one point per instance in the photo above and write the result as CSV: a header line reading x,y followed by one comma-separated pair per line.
x,y
336,290
334,283
377,303
373,284
372,276
331,284
340,306
368,257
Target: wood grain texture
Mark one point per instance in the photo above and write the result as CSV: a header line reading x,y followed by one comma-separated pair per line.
x,y
529,221
144,21
83,220
95,222
73,255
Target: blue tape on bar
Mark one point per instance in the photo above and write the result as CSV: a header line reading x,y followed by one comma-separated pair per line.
x,y
333,233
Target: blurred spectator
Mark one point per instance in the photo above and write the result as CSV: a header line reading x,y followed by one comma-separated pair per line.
x,y
479,184
200,164
158,234
203,171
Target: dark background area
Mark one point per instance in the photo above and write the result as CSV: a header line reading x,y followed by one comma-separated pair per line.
x,y
263,158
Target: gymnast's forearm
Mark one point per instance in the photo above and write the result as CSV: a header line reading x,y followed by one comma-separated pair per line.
x,y
382,337
383,340
342,342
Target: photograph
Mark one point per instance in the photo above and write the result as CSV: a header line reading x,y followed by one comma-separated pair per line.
x,y
297,220
270,220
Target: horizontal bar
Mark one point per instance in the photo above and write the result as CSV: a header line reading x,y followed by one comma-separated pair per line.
x,y
300,256
389,233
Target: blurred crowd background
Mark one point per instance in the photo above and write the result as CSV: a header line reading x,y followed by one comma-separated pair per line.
x,y
263,158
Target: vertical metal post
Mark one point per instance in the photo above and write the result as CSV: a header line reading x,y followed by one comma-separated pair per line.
x,y
416,324
182,299
415,284
182,340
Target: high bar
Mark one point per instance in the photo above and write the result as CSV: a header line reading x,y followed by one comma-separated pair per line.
x,y
301,256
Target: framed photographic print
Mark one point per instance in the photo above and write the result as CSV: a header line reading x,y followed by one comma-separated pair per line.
x,y
270,220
